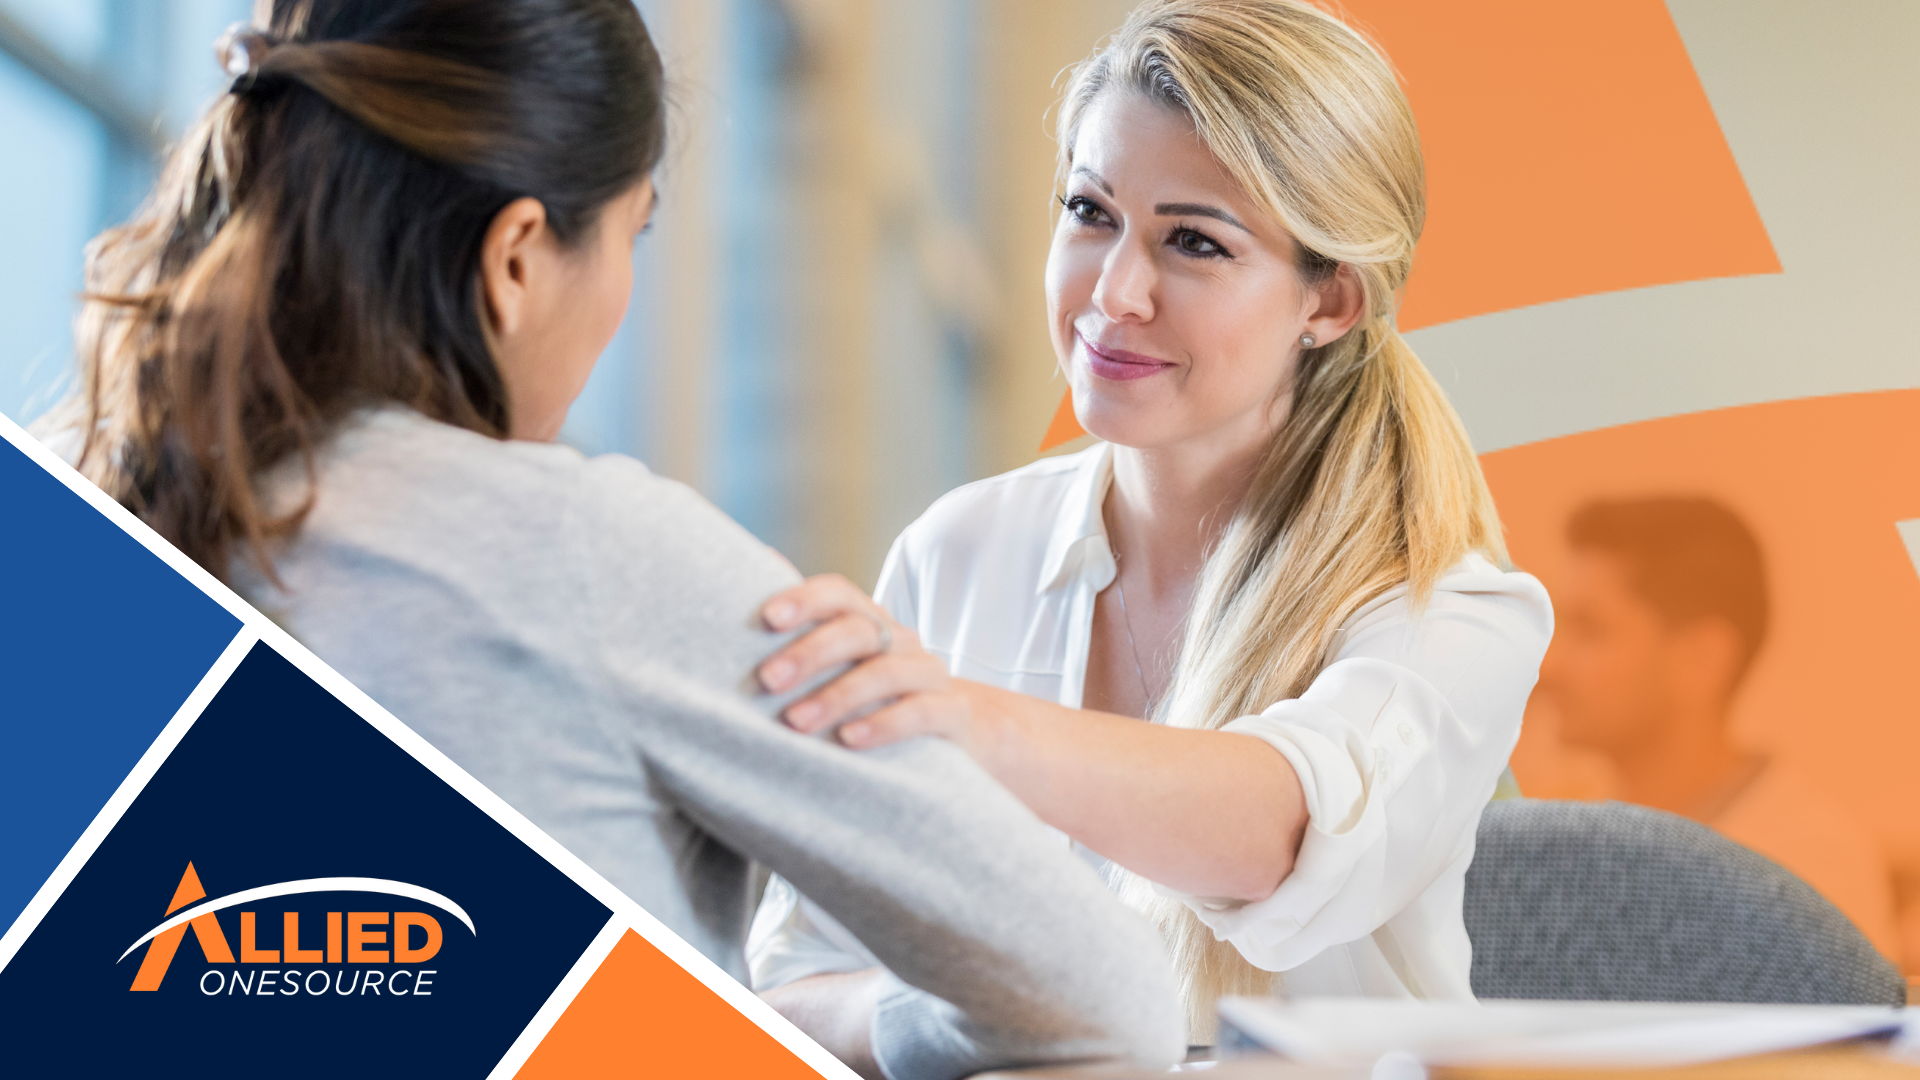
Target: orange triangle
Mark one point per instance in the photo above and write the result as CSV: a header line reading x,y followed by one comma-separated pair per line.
x,y
206,930
1065,427
643,1014
188,891
1570,150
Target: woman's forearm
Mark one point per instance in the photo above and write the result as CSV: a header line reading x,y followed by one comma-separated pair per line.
x,y
837,1012
1208,813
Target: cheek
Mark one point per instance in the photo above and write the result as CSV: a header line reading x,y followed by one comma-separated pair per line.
x,y
1067,296
1072,272
618,291
612,288
1243,326
1255,362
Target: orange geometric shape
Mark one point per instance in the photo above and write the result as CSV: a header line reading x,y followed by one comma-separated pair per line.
x,y
1570,150
187,891
1065,427
206,931
1821,482
249,954
641,1014
403,925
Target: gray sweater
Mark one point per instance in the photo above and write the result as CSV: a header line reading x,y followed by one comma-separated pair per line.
x,y
580,635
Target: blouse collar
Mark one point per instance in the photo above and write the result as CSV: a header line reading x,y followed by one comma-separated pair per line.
x,y
1077,545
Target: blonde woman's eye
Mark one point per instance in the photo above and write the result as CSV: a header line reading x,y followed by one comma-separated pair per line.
x,y
1083,209
1196,243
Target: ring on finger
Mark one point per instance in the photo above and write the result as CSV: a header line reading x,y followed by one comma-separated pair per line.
x,y
886,636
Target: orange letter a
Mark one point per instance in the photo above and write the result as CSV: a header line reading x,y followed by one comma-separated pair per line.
x,y
206,930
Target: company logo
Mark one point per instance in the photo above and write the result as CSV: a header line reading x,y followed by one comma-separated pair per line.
x,y
353,941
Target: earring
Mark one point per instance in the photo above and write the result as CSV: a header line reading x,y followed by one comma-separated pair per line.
x,y
1307,341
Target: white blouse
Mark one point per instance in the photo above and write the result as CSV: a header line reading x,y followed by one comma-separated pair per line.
x,y
1398,743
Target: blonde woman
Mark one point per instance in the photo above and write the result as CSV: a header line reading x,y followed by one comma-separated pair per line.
x,y
1282,552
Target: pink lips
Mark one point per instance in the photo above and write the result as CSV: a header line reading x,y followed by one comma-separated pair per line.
x,y
1119,364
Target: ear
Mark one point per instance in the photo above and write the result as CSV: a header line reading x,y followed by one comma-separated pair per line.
x,y
505,256
1335,305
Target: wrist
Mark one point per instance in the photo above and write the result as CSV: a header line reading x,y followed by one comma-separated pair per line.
x,y
989,726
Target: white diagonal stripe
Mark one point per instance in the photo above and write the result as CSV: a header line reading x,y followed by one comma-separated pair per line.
x,y
129,789
265,630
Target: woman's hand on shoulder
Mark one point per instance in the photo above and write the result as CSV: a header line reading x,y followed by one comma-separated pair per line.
x,y
895,689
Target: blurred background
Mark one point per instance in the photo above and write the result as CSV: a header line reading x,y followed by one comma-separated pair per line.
x,y
1667,249
838,314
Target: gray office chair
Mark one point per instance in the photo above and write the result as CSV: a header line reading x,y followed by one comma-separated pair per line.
x,y
1610,902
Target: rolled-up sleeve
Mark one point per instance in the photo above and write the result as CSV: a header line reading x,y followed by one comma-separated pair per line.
x,y
1398,745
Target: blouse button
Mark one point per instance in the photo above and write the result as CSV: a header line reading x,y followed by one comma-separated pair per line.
x,y
1406,734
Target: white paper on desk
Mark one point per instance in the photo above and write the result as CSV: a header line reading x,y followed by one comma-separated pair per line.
x,y
1552,1033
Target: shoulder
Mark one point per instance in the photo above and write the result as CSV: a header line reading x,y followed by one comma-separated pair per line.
x,y
605,562
1482,629
393,488
632,523
388,454
1473,589
523,487
534,520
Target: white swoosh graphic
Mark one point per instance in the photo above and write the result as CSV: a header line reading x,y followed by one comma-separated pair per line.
x,y
309,885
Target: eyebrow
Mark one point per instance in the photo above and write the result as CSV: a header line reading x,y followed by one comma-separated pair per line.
x,y
1178,209
1082,170
1187,209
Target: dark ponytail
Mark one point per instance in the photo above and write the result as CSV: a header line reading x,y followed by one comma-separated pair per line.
x,y
313,245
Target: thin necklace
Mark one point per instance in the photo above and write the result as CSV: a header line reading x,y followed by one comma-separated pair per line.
x,y
1139,671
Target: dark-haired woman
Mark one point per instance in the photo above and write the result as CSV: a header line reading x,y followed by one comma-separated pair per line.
x,y
327,361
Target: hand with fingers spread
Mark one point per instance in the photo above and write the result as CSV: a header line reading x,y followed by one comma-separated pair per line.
x,y
895,689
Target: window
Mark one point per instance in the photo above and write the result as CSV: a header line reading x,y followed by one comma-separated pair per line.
x,y
89,92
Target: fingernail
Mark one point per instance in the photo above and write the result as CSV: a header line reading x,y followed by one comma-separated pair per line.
x,y
803,713
779,615
854,734
776,675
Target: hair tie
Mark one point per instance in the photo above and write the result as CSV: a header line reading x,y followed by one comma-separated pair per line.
x,y
241,51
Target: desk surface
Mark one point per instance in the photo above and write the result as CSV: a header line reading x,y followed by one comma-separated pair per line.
x,y
1865,1060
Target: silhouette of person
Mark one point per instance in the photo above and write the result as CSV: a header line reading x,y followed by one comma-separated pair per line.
x,y
1661,613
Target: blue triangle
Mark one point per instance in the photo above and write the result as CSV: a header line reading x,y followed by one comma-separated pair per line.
x,y
100,643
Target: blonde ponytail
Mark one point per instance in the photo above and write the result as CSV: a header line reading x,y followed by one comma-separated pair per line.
x,y
1371,483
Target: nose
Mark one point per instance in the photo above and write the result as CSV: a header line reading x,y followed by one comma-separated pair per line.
x,y
1127,283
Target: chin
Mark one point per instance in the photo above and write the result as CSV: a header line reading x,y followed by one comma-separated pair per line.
x,y
1122,423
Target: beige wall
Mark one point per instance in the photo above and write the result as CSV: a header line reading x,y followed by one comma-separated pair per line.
x,y
885,266
1030,47
1816,102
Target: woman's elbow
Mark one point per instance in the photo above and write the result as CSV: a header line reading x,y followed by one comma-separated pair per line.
x,y
1255,874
